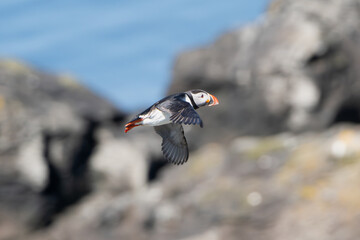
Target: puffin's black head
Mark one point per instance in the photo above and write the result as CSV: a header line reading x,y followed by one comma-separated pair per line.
x,y
202,98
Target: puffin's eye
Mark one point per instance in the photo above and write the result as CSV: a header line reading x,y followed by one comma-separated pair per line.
x,y
202,95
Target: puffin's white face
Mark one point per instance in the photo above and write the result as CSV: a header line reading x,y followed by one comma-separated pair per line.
x,y
202,98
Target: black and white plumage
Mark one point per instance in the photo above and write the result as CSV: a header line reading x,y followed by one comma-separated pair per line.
x,y
167,115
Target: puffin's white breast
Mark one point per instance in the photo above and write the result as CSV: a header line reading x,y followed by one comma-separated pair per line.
x,y
155,118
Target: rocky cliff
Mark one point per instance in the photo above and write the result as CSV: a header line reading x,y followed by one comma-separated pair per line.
x,y
279,158
48,135
296,69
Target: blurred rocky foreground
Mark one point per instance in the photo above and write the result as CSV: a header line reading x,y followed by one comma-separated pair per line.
x,y
279,158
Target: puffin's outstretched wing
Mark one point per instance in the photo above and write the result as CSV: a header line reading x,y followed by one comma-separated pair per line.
x,y
174,144
181,112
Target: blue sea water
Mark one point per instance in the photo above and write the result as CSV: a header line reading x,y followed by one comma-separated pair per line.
x,y
122,49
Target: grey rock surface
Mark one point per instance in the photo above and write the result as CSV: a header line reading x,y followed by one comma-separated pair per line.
x,y
280,187
296,69
48,134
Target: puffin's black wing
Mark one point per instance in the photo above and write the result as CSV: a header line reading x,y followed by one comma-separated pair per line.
x,y
174,146
181,112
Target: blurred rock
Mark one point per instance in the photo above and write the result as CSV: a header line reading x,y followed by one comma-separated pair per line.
x,y
303,191
48,131
295,69
120,164
59,143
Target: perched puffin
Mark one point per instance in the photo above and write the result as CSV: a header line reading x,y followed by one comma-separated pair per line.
x,y
167,115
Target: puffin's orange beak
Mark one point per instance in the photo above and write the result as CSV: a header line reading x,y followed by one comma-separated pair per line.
x,y
214,100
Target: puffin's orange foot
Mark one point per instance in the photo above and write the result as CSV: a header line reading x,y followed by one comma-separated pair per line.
x,y
132,124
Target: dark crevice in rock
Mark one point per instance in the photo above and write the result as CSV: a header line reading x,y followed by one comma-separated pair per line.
x,y
86,147
349,113
333,75
68,178
328,68
155,167
52,193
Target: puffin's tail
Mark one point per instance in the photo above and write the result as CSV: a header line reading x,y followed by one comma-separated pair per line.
x,y
134,123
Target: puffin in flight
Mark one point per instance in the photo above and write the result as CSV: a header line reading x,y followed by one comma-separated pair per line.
x,y
167,115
